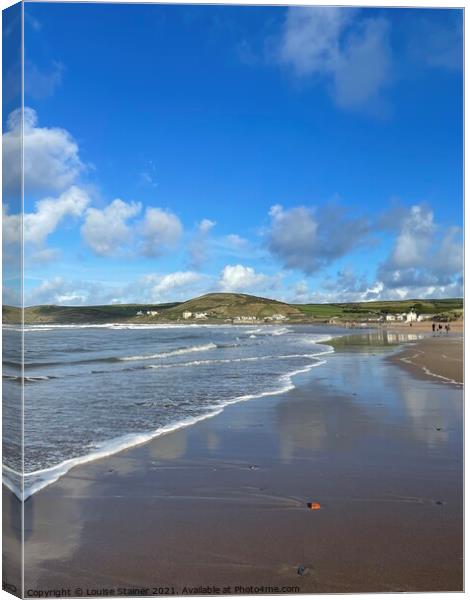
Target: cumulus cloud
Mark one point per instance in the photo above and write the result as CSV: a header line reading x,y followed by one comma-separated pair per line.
x,y
107,231
11,226
51,211
161,229
238,278
423,255
60,291
349,52
159,288
151,288
309,239
51,156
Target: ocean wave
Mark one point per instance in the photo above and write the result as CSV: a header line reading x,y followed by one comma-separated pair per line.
x,y
218,361
177,352
269,330
41,478
37,480
35,379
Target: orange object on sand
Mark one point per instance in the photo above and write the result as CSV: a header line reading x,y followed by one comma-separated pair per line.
x,y
314,505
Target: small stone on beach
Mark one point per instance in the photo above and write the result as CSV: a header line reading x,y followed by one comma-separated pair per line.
x,y
314,505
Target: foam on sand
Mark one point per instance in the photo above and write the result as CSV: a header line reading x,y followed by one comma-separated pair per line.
x,y
34,481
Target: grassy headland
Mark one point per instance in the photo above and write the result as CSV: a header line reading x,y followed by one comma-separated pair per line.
x,y
223,307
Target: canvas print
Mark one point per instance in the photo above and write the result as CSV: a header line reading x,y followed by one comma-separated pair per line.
x,y
232,299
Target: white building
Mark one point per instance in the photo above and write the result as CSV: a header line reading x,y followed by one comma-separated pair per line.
x,y
139,313
425,317
411,316
187,314
396,317
200,315
152,313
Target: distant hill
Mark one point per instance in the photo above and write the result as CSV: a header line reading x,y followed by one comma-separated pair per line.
x,y
358,310
228,306
50,313
222,306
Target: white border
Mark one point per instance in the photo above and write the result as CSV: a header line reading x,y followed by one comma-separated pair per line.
x,y
364,3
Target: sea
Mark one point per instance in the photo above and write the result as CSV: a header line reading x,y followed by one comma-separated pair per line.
x,y
93,390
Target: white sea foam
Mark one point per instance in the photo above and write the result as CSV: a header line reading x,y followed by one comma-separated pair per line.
x,y
177,352
41,478
44,477
221,361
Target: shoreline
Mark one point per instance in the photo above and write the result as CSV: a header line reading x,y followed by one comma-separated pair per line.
x,y
210,504
407,352
129,441
437,357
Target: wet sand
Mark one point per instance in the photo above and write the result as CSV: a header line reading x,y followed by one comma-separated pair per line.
x,y
439,357
224,502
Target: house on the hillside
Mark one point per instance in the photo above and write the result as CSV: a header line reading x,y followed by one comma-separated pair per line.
x,y
411,316
139,313
152,313
187,314
201,315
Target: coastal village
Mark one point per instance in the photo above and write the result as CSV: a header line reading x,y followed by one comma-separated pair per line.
x,y
387,318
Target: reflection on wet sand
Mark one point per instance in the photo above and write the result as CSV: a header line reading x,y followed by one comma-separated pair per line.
x,y
376,447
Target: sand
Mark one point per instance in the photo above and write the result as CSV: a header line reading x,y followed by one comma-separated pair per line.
x,y
439,357
222,505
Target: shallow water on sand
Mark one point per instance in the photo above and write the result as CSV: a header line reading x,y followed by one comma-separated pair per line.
x,y
92,391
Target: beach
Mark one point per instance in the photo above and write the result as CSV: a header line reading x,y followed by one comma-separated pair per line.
x,y
222,505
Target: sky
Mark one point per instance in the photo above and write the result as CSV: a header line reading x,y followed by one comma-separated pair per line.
x,y
304,154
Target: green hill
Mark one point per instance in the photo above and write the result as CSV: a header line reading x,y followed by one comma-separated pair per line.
x,y
364,310
50,313
221,306
228,306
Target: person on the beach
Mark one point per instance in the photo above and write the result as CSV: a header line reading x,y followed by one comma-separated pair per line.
x,y
433,327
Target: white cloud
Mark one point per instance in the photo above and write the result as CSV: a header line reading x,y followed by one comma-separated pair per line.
x,y
106,231
350,53
59,291
160,229
237,278
309,239
206,225
236,241
51,211
424,254
51,156
11,226
199,242
414,239
164,286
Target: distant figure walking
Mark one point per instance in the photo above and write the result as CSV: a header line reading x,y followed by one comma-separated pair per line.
x,y
440,326
433,327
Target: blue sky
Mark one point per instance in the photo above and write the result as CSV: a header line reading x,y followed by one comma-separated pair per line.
x,y
307,154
